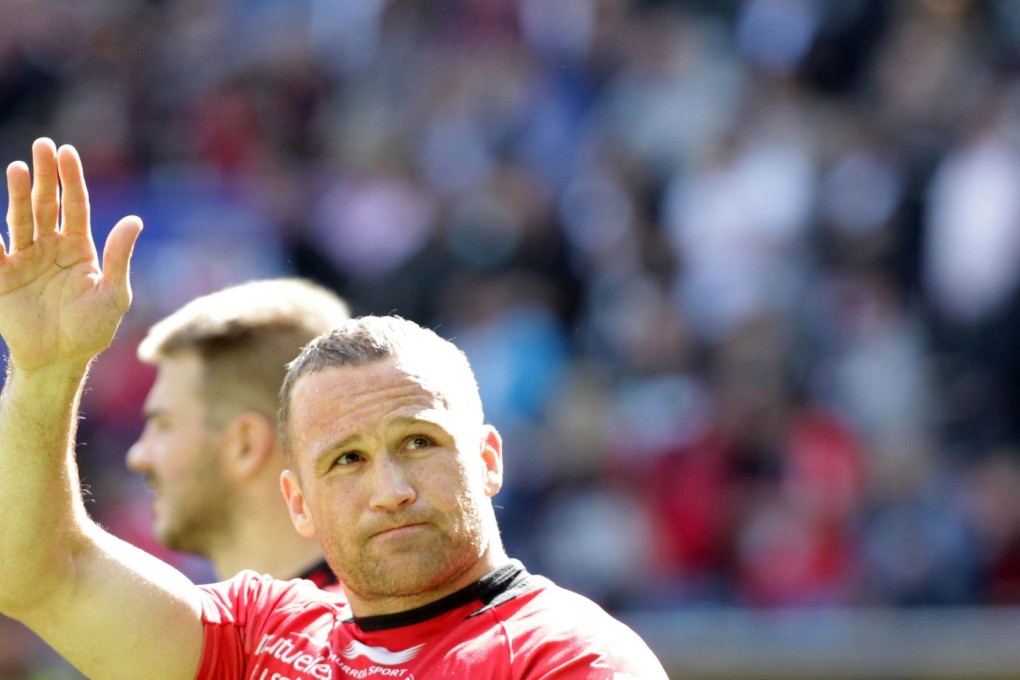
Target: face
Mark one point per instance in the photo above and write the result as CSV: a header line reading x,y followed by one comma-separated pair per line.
x,y
394,481
178,453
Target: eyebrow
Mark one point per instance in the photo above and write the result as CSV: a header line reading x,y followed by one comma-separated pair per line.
x,y
408,421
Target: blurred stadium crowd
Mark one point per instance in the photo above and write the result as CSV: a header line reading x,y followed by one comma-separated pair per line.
x,y
740,279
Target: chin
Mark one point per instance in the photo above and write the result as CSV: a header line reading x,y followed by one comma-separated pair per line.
x,y
400,575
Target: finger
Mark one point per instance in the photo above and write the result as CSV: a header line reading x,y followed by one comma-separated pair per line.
x,y
45,187
74,202
120,244
19,206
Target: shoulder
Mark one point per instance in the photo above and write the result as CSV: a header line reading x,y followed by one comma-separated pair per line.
x,y
256,622
562,629
549,606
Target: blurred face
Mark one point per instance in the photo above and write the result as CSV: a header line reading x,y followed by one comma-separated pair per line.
x,y
179,455
394,481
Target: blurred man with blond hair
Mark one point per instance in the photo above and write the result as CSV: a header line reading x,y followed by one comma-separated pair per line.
x,y
209,451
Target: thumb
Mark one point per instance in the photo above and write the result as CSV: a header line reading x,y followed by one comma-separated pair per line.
x,y
120,244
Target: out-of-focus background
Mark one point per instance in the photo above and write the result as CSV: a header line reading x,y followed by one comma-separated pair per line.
x,y
740,280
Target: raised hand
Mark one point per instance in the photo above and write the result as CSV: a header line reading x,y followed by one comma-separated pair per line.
x,y
57,306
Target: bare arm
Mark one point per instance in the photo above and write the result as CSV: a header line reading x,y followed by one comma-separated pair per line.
x,y
109,608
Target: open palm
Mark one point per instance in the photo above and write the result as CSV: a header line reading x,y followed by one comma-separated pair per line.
x,y
56,304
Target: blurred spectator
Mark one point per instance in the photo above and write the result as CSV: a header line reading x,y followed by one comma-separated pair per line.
x,y
992,504
760,506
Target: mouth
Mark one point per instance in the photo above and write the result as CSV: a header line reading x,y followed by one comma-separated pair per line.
x,y
399,530
153,493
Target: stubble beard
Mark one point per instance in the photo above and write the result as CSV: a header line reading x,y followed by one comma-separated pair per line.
x,y
194,521
427,563
194,531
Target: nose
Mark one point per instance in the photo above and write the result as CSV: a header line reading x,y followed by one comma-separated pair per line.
x,y
391,485
137,459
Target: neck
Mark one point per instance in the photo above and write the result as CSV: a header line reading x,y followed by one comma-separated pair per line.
x,y
279,561
264,540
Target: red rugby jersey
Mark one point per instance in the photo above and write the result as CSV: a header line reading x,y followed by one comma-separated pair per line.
x,y
510,624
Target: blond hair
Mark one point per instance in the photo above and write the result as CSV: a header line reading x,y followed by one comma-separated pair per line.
x,y
244,336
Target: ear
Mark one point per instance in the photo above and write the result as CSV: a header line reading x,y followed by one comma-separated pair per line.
x,y
492,458
295,498
250,442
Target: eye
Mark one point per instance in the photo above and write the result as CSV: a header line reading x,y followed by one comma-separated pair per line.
x,y
348,458
418,442
157,423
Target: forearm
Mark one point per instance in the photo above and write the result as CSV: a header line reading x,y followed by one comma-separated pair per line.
x,y
41,511
77,586
111,609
